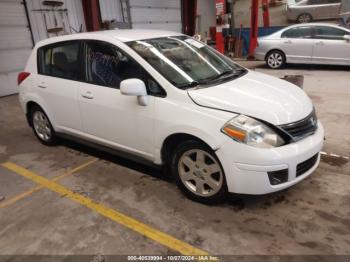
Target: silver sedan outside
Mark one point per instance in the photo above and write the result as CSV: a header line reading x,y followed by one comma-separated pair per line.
x,y
305,11
313,43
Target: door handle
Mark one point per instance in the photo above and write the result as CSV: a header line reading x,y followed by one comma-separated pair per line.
x,y
88,95
288,42
320,43
41,86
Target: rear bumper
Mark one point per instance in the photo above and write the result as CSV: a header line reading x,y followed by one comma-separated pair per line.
x,y
247,168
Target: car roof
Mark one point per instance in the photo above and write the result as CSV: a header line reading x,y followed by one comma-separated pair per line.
x,y
318,24
123,35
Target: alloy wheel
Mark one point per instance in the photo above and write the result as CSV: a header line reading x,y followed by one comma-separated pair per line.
x,y
42,126
304,18
275,60
200,173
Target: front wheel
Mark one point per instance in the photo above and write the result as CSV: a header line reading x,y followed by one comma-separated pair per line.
x,y
275,59
198,172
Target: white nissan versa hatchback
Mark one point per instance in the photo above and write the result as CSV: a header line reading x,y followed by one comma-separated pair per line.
x,y
166,98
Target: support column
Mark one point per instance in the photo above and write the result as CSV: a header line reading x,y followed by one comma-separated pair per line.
x,y
254,27
92,14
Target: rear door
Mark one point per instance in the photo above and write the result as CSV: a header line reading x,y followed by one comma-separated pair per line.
x,y
297,44
58,82
330,46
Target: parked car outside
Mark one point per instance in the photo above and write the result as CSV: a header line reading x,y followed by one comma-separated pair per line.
x,y
170,100
313,43
345,13
305,11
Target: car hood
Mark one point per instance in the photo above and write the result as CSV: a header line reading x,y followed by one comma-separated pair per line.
x,y
257,95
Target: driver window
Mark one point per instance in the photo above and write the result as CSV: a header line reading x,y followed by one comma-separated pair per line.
x,y
108,66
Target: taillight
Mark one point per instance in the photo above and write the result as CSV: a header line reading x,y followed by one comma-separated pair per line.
x,y
21,77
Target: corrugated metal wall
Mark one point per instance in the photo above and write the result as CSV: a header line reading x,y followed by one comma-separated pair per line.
x,y
146,14
111,10
15,44
15,37
156,14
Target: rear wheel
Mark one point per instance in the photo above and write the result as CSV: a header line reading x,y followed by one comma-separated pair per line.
x,y
275,59
198,172
42,127
304,18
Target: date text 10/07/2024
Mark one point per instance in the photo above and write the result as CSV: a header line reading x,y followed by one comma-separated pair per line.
x,y
173,258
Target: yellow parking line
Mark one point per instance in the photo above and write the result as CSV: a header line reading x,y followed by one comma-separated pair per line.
x,y
129,222
31,191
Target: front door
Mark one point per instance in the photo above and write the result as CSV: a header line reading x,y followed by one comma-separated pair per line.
x,y
109,117
297,44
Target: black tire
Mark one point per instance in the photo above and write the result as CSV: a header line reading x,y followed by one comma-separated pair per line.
x,y
52,139
304,18
275,59
210,157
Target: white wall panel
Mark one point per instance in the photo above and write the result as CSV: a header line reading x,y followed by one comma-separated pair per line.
x,y
156,14
15,37
111,10
169,27
157,3
15,44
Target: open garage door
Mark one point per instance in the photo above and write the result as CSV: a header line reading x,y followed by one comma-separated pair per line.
x,y
156,14
15,44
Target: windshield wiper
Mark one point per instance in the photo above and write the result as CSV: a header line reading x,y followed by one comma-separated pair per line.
x,y
227,74
188,85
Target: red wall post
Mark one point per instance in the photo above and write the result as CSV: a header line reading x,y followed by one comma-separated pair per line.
x,y
266,13
220,6
92,15
254,27
189,14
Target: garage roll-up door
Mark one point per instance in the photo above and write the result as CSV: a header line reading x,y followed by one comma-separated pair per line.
x,y
156,14
15,44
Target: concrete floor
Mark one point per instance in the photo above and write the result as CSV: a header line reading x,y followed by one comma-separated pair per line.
x,y
311,218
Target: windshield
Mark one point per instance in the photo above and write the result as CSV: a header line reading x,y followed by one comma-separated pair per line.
x,y
186,62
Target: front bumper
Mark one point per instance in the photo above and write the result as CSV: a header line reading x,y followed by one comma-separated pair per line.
x,y
247,167
259,55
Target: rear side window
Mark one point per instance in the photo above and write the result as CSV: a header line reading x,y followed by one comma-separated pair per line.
x,y
60,60
331,33
299,32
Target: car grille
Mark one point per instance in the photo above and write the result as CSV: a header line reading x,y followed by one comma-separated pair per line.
x,y
302,128
305,166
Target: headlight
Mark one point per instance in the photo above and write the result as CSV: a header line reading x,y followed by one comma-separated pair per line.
x,y
247,130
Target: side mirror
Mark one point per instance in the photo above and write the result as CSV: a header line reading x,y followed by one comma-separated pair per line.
x,y
135,87
347,38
